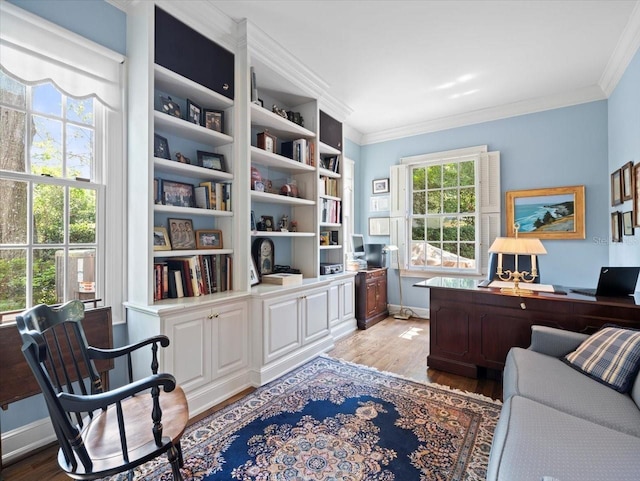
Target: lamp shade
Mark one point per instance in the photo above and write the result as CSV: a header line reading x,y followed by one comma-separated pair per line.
x,y
517,245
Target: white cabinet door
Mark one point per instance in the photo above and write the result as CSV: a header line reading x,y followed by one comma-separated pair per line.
x,y
231,337
334,303
282,326
348,300
316,314
188,356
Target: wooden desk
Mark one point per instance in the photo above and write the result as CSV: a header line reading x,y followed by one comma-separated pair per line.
x,y
472,328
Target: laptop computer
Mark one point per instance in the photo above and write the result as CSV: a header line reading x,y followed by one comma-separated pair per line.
x,y
614,282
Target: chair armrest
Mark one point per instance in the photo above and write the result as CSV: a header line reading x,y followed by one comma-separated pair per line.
x,y
92,402
98,353
554,342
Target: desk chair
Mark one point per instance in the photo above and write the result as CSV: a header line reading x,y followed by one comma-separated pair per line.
x,y
101,433
509,264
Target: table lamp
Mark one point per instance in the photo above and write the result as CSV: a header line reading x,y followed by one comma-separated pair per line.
x,y
517,246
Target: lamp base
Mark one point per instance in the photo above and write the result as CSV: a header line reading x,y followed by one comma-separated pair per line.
x,y
401,314
516,291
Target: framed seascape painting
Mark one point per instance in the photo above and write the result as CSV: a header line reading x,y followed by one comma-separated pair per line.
x,y
552,213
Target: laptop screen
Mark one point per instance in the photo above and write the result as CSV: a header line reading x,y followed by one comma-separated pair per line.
x,y
617,281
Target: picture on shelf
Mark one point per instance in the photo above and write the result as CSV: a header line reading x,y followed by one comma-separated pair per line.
x,y
161,240
324,238
177,194
267,221
253,273
627,223
181,234
214,120
161,147
209,239
170,107
211,160
253,221
157,194
194,112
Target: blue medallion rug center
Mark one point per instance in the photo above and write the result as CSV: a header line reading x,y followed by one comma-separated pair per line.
x,y
334,421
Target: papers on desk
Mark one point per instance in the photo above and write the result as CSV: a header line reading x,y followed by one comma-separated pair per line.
x,y
523,285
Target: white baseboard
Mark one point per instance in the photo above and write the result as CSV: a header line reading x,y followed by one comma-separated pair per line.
x,y
19,442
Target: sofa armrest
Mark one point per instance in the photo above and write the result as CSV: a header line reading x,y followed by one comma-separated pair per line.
x,y
554,342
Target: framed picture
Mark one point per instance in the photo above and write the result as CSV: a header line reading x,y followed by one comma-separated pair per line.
x,y
253,272
379,226
194,112
161,240
177,194
627,223
253,221
379,203
380,186
553,213
267,221
157,193
627,181
211,160
214,120
161,147
636,195
209,239
181,234
616,227
267,142
616,187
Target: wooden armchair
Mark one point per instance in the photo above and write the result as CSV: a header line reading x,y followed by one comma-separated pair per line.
x,y
101,433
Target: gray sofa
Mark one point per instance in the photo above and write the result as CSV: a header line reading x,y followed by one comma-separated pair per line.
x,y
558,424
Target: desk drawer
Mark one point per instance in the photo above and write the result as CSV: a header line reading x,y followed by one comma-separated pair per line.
x,y
524,303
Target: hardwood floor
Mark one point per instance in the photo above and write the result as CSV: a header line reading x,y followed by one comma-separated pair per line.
x,y
393,345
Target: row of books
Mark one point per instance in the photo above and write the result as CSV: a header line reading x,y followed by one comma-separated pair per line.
x,y
328,186
300,150
330,162
330,211
213,195
192,276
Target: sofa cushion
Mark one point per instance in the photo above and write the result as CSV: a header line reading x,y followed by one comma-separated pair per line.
x,y
532,440
548,380
610,356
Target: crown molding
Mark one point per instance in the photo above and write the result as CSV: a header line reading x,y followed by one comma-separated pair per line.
x,y
120,4
587,94
628,45
354,135
334,107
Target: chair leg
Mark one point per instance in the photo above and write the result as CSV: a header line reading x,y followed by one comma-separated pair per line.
x,y
130,475
174,456
181,459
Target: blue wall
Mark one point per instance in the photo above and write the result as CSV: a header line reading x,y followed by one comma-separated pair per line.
x,y
104,24
96,20
560,147
624,146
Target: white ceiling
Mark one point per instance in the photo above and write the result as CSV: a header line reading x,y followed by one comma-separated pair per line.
x,y
405,66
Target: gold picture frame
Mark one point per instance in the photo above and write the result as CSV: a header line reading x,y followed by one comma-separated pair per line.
x,y
626,179
636,195
209,239
550,213
161,239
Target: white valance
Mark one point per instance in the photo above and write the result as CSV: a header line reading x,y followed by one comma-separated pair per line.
x,y
34,50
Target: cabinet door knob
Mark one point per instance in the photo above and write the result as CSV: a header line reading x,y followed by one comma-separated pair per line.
x,y
212,316
523,306
225,86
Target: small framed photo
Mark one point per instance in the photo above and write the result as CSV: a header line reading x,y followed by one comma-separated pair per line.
x,y
267,220
157,191
253,272
161,240
616,227
161,147
380,186
170,107
177,194
627,223
616,187
181,234
209,239
210,160
194,113
267,142
627,181
214,120
253,221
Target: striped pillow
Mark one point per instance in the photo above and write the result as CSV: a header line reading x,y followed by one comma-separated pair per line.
x,y
610,356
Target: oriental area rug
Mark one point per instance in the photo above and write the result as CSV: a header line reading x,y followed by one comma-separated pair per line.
x,y
330,420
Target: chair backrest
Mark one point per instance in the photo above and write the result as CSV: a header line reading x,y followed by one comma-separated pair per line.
x,y
509,263
55,347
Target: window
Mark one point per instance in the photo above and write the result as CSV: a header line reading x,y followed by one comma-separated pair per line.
x,y
446,211
62,167
48,214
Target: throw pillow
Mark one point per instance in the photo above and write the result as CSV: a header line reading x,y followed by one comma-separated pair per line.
x,y
610,356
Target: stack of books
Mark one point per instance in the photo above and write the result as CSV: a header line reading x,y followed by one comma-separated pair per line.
x,y
192,276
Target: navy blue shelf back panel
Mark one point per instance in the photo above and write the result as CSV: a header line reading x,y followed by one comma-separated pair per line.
x,y
184,51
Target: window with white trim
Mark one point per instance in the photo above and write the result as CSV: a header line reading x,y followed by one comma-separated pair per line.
x,y
61,166
446,210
